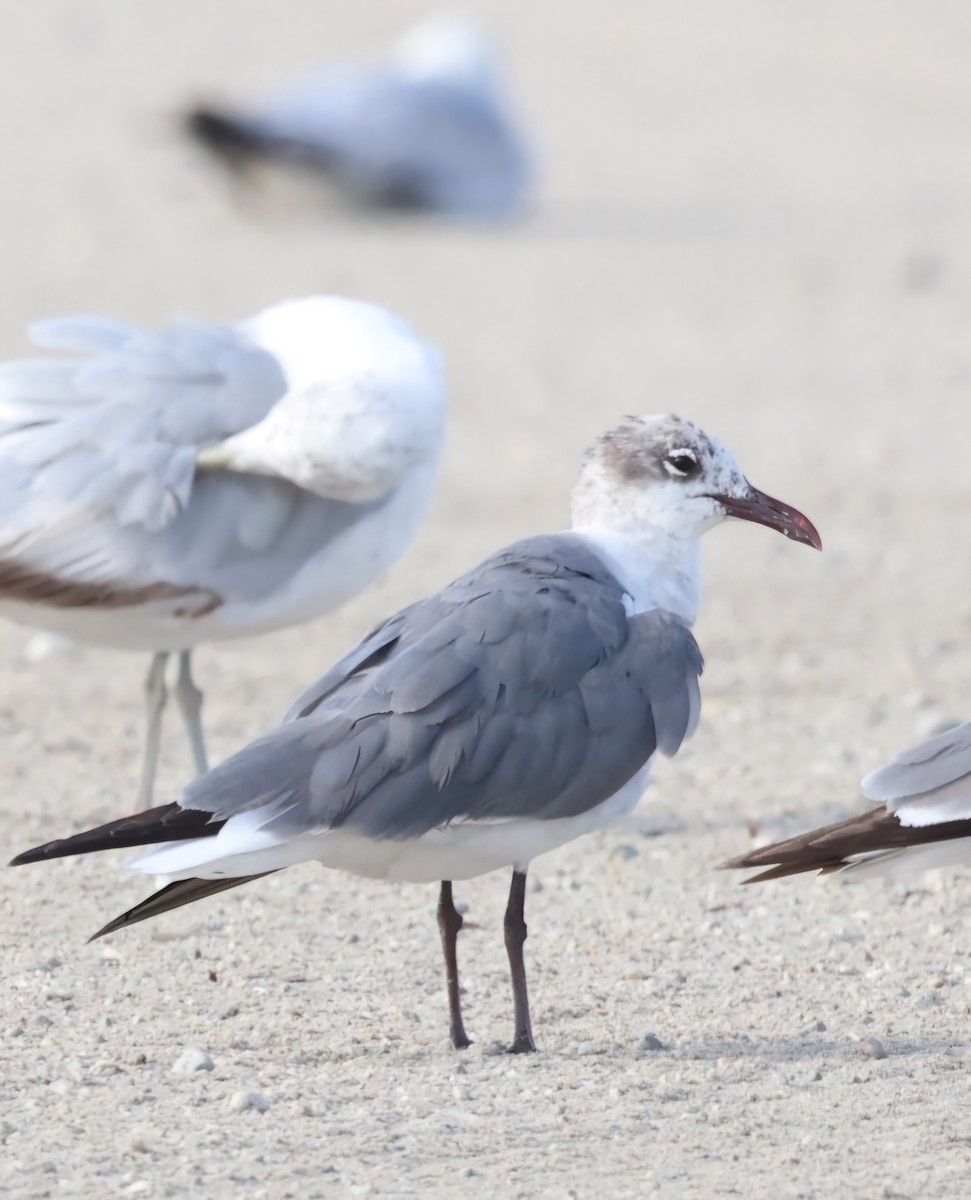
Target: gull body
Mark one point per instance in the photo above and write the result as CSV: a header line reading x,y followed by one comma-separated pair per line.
x,y
515,710
163,488
427,126
923,820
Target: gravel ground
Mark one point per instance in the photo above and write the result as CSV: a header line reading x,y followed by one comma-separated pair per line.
x,y
757,216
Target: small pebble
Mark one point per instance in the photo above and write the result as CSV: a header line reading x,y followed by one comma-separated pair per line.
x,y
585,1049
873,1048
192,1060
651,1041
241,1101
625,852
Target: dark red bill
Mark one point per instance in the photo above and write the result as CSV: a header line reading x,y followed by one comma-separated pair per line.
x,y
765,510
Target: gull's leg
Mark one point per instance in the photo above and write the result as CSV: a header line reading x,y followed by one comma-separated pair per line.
x,y
449,924
189,699
514,926
155,697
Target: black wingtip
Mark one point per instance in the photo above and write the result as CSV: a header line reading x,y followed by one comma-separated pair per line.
x,y
173,895
773,865
165,823
222,133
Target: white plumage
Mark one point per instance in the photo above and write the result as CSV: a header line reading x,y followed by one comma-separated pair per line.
x,y
162,488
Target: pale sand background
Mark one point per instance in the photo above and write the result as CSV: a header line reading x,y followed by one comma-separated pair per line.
x,y
755,214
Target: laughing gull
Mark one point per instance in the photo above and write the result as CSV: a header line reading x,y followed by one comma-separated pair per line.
x,y
425,127
515,710
200,482
923,821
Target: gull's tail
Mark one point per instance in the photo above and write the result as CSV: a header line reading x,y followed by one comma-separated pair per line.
x,y
166,823
240,142
873,839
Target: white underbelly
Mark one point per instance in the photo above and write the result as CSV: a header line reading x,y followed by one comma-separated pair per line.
x,y
461,850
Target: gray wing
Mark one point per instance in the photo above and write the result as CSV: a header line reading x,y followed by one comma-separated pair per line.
x,y
929,783
399,140
522,689
116,425
99,446
366,654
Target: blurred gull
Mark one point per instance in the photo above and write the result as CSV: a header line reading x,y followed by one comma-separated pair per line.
x,y
923,821
201,482
425,127
510,713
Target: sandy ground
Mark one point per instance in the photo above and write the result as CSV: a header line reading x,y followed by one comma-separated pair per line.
x,y
758,215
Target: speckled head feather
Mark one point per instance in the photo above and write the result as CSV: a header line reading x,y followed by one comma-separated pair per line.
x,y
660,471
667,475
638,448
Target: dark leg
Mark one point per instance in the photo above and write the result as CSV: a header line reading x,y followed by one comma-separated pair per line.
x,y
514,926
449,923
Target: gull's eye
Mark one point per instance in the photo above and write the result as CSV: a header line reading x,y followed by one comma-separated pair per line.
x,y
681,464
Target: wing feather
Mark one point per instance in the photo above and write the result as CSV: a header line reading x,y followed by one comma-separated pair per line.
x,y
106,440
428,721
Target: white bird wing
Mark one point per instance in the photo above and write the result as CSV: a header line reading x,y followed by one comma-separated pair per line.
x,y
929,783
99,448
402,140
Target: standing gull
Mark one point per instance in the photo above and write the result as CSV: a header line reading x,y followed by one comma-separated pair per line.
x,y
160,489
923,820
425,127
515,710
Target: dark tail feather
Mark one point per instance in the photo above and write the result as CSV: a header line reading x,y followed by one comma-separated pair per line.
x,y
174,895
834,846
167,823
232,138
239,142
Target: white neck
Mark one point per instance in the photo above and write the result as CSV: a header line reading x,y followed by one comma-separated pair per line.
x,y
656,569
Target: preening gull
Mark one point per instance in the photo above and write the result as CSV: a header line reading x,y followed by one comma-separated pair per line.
x,y
199,482
428,126
515,710
923,820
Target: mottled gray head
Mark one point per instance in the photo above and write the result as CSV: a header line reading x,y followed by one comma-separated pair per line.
x,y
666,472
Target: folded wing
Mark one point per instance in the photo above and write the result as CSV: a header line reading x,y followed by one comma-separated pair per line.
x,y
98,448
523,689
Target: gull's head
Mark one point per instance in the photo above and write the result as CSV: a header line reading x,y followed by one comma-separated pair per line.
x,y
452,48
666,473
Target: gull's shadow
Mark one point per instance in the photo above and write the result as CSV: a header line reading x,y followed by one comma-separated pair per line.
x,y
794,1049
